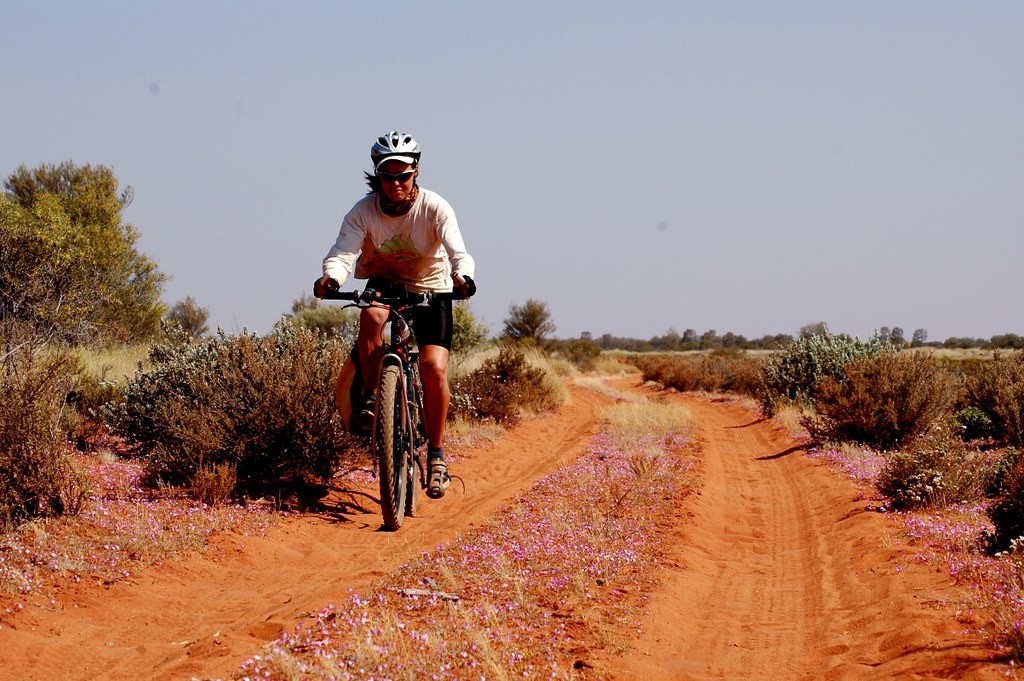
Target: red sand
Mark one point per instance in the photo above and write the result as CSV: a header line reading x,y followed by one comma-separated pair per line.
x,y
777,574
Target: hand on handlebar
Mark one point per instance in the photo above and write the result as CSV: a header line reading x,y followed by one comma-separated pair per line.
x,y
464,285
323,285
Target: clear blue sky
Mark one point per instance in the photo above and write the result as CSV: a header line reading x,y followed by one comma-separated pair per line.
x,y
738,166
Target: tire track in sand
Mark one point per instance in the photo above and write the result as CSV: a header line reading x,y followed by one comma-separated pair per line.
x,y
776,571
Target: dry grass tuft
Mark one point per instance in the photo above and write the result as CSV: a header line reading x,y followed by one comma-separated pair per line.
x,y
613,364
660,420
792,417
599,384
213,484
117,364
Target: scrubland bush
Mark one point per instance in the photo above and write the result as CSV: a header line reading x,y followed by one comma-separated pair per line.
x,y
1007,511
792,374
1007,461
996,388
331,320
261,404
718,371
935,471
581,352
504,389
883,400
35,476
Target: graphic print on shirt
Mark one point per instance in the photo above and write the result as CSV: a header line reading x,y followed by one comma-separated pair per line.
x,y
396,255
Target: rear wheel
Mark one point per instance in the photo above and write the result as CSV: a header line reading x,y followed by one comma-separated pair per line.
x,y
391,443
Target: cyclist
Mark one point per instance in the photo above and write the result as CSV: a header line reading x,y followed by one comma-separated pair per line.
x,y
402,235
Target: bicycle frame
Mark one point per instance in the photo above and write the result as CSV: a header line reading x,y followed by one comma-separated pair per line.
x,y
399,353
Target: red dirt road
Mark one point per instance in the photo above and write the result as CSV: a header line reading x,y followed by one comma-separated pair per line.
x,y
776,573
781,574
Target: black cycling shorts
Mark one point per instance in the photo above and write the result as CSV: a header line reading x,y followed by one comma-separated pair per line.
x,y
432,325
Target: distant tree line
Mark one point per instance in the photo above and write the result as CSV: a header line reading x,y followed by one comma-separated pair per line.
x,y
690,340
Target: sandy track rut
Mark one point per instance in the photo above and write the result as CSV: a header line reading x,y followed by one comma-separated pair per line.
x,y
780,573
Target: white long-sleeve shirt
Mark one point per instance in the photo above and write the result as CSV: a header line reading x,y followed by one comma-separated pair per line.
x,y
422,249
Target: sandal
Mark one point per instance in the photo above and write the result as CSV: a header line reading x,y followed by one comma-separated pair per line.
x,y
439,479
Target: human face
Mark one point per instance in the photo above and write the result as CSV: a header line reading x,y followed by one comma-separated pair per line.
x,y
396,179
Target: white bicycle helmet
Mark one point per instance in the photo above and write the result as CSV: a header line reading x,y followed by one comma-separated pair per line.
x,y
395,146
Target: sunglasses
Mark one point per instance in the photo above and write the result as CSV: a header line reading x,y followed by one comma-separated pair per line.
x,y
396,177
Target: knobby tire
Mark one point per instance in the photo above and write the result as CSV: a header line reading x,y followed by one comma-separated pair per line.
x,y
415,402
392,440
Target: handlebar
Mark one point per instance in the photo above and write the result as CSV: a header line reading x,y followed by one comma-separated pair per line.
x,y
372,297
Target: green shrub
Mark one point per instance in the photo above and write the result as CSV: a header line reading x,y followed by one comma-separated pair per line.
x,y
335,321
973,422
467,332
884,400
792,374
935,471
1007,512
262,404
503,390
997,388
35,476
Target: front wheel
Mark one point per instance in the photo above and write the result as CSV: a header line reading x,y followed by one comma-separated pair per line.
x,y
391,444
412,489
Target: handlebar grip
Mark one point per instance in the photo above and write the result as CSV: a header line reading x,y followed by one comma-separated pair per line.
x,y
456,294
326,293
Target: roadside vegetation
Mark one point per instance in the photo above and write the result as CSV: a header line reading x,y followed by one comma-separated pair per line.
x,y
937,439
128,432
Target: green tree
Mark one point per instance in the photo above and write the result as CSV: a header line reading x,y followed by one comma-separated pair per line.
x,y
467,332
190,317
69,266
530,322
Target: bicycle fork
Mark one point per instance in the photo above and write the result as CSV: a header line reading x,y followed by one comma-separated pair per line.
x,y
412,421
414,407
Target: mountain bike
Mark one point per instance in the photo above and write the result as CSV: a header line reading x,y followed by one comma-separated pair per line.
x,y
398,436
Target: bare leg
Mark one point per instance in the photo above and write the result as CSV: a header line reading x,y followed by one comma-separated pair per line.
x,y
370,343
436,394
